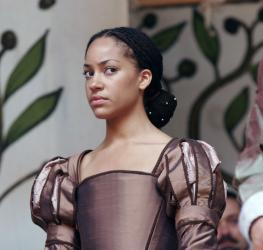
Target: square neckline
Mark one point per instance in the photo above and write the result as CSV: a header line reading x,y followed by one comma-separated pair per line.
x,y
152,173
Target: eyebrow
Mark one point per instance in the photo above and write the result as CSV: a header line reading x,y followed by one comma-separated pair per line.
x,y
102,62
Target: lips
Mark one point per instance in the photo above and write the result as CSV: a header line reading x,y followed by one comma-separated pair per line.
x,y
97,100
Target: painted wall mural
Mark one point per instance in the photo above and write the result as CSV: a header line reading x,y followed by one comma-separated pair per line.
x,y
229,23
44,111
36,112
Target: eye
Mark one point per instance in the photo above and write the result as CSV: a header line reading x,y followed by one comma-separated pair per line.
x,y
88,74
110,70
233,220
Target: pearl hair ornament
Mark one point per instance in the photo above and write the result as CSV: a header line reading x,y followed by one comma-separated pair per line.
x,y
163,102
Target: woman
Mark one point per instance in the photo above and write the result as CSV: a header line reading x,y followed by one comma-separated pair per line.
x,y
140,188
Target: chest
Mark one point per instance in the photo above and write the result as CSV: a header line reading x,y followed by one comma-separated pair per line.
x,y
140,158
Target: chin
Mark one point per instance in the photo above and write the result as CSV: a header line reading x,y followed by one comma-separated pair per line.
x,y
100,116
108,114
103,115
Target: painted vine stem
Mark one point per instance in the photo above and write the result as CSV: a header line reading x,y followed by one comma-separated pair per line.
x,y
195,114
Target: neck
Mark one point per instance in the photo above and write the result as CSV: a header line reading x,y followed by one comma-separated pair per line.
x,y
128,127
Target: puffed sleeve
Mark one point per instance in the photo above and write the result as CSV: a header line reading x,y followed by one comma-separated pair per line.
x,y
194,191
52,203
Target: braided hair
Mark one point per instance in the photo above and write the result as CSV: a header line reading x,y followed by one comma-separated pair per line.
x,y
158,103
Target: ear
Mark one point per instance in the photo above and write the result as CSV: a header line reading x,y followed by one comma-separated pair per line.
x,y
145,79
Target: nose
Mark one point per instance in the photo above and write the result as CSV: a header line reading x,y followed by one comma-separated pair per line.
x,y
95,83
222,229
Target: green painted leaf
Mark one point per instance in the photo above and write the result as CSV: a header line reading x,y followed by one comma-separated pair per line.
x,y
27,67
46,4
236,110
167,37
34,114
208,40
253,70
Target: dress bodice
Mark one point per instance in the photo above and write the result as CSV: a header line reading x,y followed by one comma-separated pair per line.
x,y
123,210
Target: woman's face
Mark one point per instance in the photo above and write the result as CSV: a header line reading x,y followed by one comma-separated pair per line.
x,y
112,79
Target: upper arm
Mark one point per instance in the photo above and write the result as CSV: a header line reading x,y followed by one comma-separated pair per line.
x,y
52,203
194,175
196,192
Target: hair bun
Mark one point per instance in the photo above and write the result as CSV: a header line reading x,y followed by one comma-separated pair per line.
x,y
160,108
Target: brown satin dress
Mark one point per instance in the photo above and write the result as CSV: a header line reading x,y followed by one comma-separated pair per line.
x,y
177,206
123,210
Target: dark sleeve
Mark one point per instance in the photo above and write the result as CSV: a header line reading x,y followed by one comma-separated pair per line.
x,y
194,192
52,205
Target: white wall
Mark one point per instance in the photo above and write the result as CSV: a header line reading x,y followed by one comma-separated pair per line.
x,y
72,127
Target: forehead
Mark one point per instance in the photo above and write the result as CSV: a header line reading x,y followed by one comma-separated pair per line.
x,y
105,48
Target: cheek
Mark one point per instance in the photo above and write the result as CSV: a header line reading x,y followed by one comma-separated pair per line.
x,y
126,97
236,231
128,87
87,90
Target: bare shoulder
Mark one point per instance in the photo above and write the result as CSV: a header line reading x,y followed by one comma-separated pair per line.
x,y
165,137
87,158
